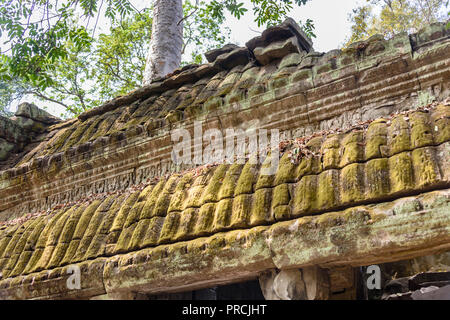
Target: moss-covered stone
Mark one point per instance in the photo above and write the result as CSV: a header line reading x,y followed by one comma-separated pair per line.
x,y
376,138
242,205
305,195
204,224
147,210
13,242
352,183
153,232
134,214
421,131
398,135
32,263
188,221
377,178
138,234
281,195
222,217
426,170
261,212
180,193
328,189
51,221
169,228
286,171
21,263
247,179
282,213
84,220
230,181
441,124
44,259
308,166
57,255
331,152
266,173
124,239
211,192
70,252
353,148
194,197
70,226
401,175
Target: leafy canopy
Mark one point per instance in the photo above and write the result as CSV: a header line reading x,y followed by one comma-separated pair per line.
x,y
394,16
51,49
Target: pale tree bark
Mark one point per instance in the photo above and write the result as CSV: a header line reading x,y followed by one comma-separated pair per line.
x,y
164,55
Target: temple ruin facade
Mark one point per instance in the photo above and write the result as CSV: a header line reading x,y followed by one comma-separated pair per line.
x,y
363,179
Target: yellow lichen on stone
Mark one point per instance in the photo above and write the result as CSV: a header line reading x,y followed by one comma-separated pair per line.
x,y
210,194
241,211
328,189
398,135
352,183
441,124
421,131
305,196
195,192
180,193
84,220
401,175
376,138
153,232
286,171
222,216
261,212
425,166
353,148
377,178
230,181
169,228
247,179
308,166
204,223
331,152
147,210
188,221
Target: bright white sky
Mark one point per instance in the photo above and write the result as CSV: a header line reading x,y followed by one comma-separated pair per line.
x,y
330,18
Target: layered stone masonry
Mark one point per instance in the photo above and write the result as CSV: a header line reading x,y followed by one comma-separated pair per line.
x,y
406,155
127,141
396,230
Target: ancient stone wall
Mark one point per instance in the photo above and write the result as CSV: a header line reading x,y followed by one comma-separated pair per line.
x,y
127,141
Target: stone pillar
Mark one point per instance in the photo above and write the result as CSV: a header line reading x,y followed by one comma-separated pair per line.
x,y
311,283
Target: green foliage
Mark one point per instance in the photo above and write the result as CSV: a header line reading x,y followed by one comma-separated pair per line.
x,y
120,55
52,51
394,16
202,32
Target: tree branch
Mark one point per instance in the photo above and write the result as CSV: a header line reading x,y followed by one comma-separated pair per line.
x,y
40,95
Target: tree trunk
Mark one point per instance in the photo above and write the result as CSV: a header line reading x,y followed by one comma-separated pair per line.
x,y
164,55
